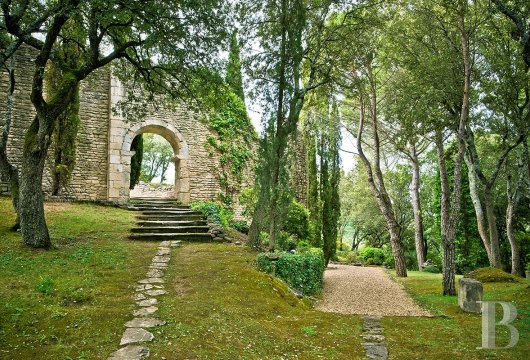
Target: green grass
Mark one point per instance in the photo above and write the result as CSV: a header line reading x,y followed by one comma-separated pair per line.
x,y
454,334
223,308
69,302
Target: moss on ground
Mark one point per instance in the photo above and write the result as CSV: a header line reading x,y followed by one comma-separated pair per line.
x,y
489,275
71,301
225,309
455,334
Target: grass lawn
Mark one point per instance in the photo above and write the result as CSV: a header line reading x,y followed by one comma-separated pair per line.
x,y
71,301
225,309
455,335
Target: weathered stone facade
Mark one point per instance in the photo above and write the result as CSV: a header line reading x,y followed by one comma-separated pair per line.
x,y
102,169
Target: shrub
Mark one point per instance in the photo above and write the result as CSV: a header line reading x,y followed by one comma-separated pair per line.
x,y
431,269
266,262
342,246
240,226
247,199
303,272
285,241
372,256
303,246
347,257
263,239
297,221
214,211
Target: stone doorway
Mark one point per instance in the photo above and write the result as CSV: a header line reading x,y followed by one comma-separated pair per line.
x,y
120,160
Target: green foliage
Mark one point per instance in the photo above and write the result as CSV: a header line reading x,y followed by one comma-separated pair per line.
x,y
431,269
247,199
136,161
240,225
303,246
309,331
214,211
234,142
297,221
286,241
347,257
157,155
234,78
45,286
372,256
303,272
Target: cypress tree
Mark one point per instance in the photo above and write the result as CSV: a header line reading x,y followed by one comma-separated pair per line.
x,y
234,79
136,160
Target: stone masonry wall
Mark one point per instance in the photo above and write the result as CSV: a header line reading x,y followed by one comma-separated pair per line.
x,y
89,176
102,169
23,112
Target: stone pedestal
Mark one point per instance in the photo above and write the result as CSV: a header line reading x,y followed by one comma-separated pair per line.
x,y
470,295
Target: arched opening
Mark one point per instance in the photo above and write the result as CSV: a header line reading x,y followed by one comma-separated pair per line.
x,y
153,171
120,161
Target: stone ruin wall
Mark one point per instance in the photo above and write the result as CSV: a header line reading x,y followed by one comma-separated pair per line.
x,y
97,140
89,176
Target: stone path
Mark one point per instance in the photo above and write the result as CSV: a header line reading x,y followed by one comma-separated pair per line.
x,y
373,340
365,291
148,290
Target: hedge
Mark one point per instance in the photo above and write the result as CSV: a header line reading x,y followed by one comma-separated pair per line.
x,y
303,272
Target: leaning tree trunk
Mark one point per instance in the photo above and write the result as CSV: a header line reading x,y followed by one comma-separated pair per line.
x,y
477,205
31,205
421,252
492,226
516,254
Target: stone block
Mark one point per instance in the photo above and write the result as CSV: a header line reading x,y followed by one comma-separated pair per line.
x,y
470,293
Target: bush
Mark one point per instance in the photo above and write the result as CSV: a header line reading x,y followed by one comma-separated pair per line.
x,y
303,246
214,211
297,221
303,272
431,269
285,241
342,246
372,256
347,257
263,239
248,199
240,226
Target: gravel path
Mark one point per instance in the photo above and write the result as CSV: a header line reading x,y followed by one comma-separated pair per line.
x,y
365,291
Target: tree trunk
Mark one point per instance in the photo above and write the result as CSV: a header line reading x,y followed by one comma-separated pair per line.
x,y
31,205
449,272
493,232
421,251
477,205
516,255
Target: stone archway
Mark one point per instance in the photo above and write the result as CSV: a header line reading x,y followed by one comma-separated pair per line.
x,y
120,160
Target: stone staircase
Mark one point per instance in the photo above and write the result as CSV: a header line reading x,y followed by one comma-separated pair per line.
x,y
166,219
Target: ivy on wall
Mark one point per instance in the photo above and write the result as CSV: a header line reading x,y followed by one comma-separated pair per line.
x,y
234,143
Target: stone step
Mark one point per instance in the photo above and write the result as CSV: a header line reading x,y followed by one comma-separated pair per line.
x,y
175,213
194,237
165,217
171,229
162,223
159,208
